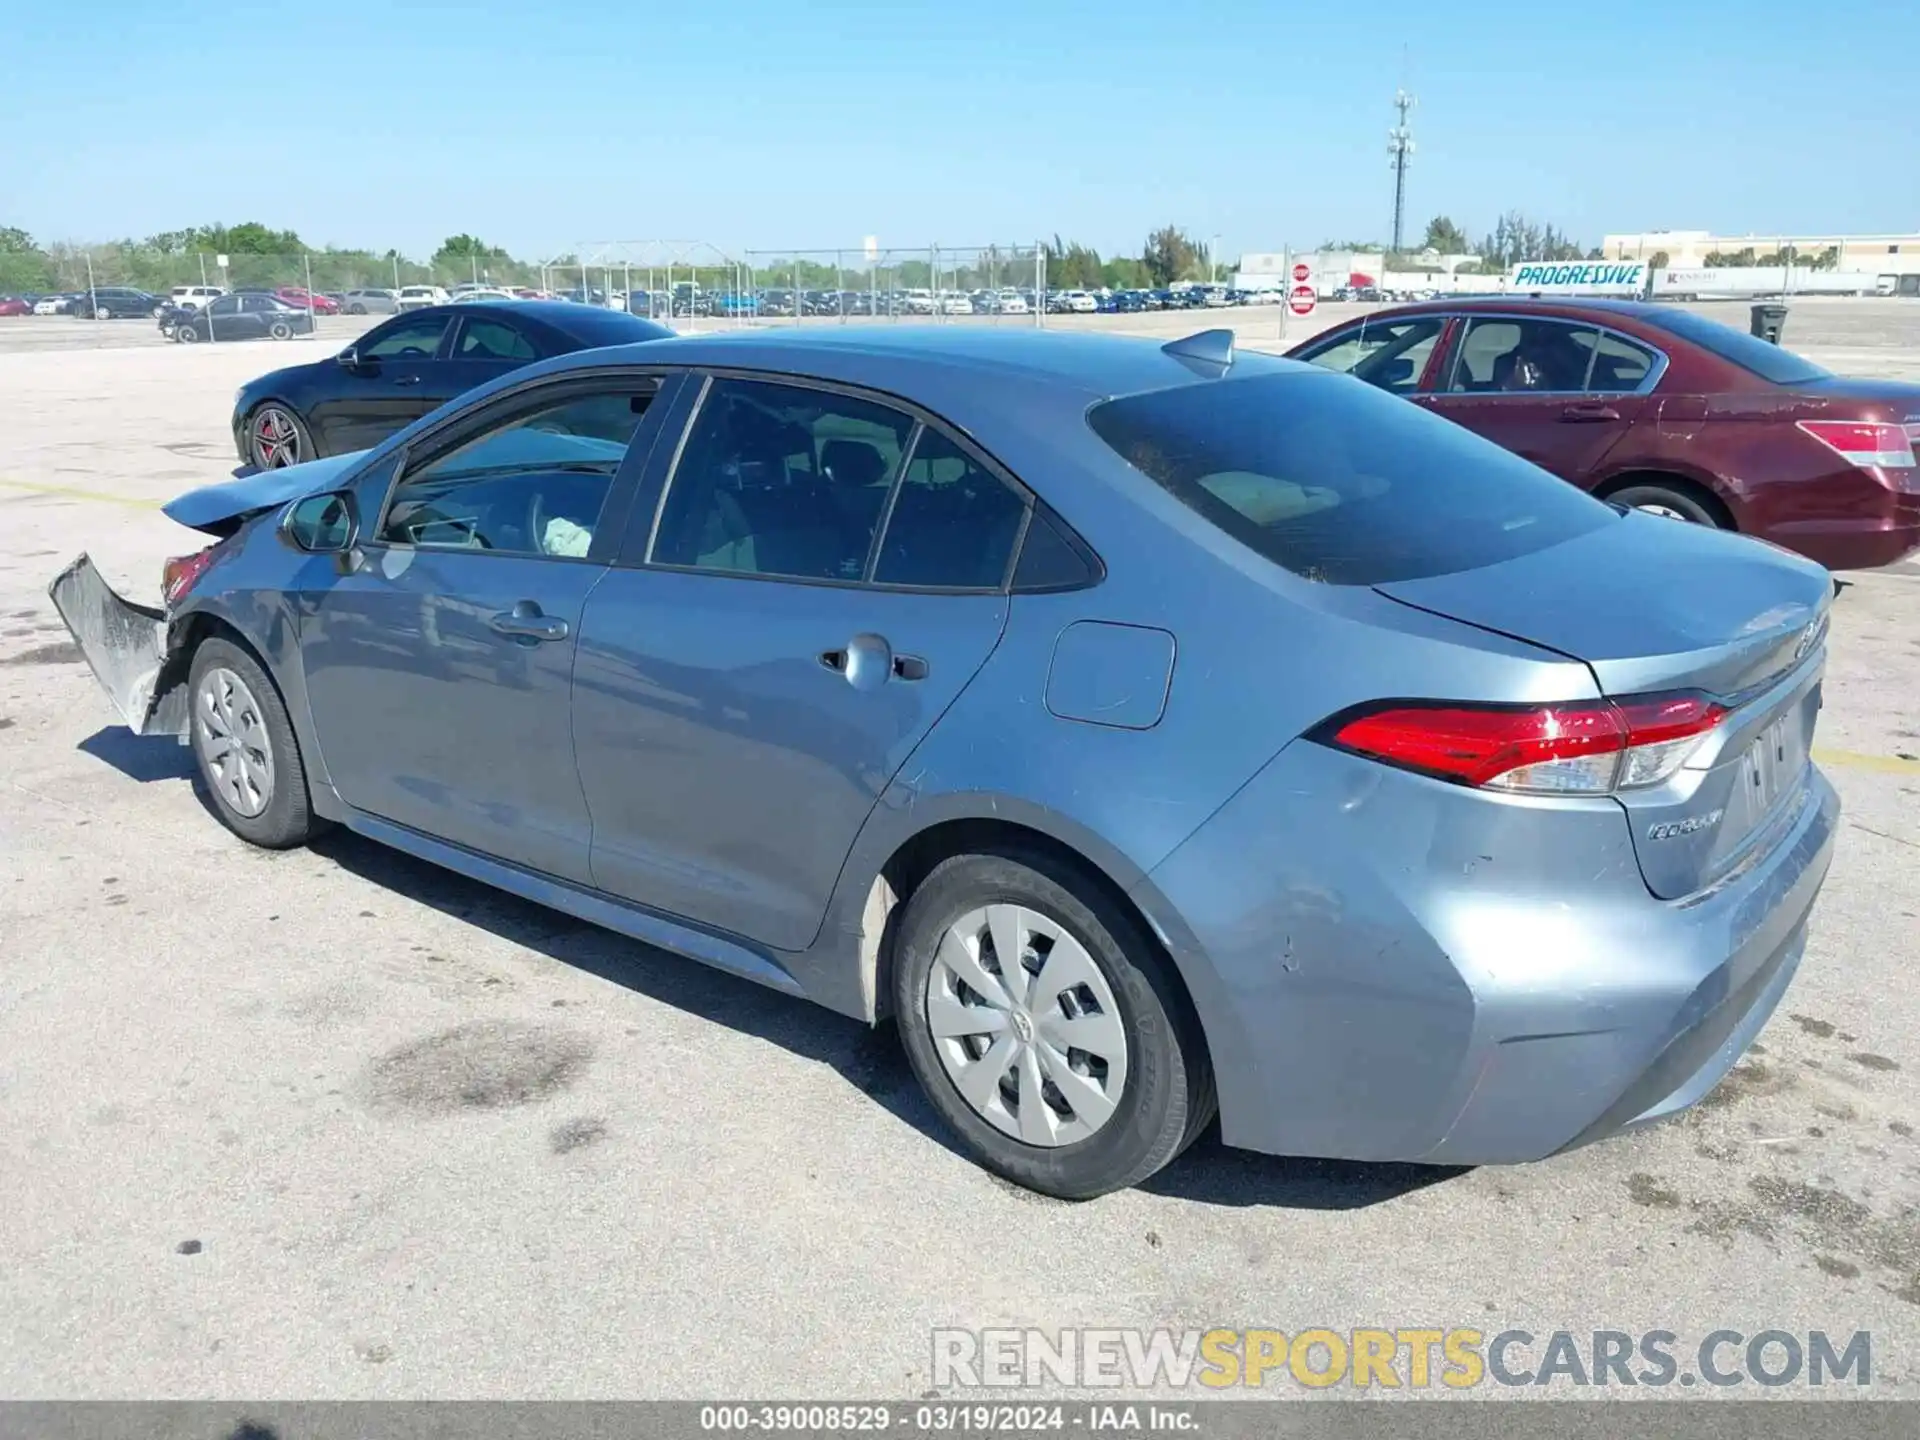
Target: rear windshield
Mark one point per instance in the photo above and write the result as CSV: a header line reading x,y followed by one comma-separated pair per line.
x,y
1340,482
1769,362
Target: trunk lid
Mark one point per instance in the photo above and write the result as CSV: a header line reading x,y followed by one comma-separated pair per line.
x,y
1654,605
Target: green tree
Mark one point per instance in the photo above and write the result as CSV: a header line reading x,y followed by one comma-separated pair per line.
x,y
1073,266
23,264
1659,260
1171,255
1446,237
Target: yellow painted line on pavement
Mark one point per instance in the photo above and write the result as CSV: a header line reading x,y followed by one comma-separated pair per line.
x,y
72,492
1854,760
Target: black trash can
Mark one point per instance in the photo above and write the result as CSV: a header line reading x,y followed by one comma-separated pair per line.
x,y
1767,323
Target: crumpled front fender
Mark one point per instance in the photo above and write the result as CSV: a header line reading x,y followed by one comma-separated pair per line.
x,y
126,647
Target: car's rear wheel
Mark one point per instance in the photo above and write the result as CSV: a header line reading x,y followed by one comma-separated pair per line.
x,y
1670,501
356,309
280,330
276,438
1046,1027
248,754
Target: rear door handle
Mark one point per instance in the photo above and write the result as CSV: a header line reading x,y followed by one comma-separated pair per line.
x,y
525,622
1590,410
868,662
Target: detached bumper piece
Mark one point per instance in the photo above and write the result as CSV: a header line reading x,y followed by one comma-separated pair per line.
x,y
125,645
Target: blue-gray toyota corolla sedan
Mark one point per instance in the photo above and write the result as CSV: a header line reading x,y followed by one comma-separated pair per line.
x,y
1145,729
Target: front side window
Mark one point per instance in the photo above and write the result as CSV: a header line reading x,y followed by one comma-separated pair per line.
x,y
953,525
532,484
1339,483
780,480
225,305
1500,356
1392,355
416,339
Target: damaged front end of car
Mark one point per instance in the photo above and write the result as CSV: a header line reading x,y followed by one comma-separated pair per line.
x,y
127,646
140,654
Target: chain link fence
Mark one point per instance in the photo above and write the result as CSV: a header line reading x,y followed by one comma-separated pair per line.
x,y
691,285
933,282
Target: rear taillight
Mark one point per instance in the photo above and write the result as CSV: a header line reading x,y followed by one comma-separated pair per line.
x,y
1864,442
182,572
1584,749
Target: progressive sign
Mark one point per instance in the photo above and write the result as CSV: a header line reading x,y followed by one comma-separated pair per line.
x,y
1620,275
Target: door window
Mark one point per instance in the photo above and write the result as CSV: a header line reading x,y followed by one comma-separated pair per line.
x,y
1499,355
225,305
493,340
1619,366
954,523
416,338
532,484
1392,355
780,480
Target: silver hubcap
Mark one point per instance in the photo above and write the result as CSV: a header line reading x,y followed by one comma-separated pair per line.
x,y
1665,511
1026,1025
233,743
275,441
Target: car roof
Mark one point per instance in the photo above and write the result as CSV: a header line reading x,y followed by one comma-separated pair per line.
x,y
1545,304
921,362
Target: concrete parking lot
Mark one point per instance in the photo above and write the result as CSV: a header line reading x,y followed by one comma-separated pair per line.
x,y
333,1123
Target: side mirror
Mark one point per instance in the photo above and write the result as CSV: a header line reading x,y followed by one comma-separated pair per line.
x,y
324,524
349,358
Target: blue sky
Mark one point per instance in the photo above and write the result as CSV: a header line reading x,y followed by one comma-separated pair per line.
x,y
763,125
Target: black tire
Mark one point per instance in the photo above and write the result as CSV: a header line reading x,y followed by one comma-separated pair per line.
x,y
356,309
288,819
1168,1096
1684,503
185,333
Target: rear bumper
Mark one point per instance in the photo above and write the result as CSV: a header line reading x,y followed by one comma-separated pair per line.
x,y
1388,968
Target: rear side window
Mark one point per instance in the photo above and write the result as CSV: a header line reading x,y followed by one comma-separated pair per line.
x,y
1750,353
953,525
1341,483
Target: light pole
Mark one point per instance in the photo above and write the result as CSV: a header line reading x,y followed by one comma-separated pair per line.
x,y
1213,260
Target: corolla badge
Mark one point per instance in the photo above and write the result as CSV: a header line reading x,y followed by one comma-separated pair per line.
x,y
1673,829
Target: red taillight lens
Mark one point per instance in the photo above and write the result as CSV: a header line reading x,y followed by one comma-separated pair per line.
x,y
182,572
1864,442
1584,749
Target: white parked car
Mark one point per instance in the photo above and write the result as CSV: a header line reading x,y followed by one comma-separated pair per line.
x,y
956,305
467,293
1013,303
917,302
52,305
418,297
1080,302
193,297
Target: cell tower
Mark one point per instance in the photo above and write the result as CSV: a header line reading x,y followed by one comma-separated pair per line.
x,y
1400,147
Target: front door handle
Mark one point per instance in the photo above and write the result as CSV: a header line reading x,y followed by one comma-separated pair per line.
x,y
1590,410
406,379
525,622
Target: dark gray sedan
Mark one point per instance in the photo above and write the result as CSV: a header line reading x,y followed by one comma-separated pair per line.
x,y
1144,729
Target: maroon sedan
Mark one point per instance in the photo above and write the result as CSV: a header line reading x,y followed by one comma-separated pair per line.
x,y
1664,410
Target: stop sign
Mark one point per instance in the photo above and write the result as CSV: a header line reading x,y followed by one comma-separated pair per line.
x,y
1301,300
1300,273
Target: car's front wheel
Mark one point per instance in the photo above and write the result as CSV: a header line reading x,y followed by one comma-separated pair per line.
x,y
1046,1026
248,754
185,333
276,438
